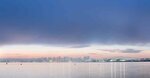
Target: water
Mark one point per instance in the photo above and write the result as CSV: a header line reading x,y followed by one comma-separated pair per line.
x,y
75,70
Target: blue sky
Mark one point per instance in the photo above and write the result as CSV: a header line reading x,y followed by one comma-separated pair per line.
x,y
71,22
98,28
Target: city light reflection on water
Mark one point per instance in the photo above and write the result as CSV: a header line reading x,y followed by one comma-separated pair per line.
x,y
75,70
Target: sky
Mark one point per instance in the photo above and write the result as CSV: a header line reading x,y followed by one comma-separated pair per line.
x,y
99,28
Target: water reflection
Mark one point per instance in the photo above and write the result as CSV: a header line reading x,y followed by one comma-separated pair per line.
x,y
75,70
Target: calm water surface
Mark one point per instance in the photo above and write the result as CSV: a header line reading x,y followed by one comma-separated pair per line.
x,y
75,70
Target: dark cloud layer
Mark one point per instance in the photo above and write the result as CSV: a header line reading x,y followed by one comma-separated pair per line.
x,y
123,51
74,21
131,51
80,46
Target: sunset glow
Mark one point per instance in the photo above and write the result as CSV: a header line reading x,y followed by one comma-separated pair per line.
x,y
98,51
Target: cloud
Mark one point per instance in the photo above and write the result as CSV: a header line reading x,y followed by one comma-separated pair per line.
x,y
79,46
109,50
131,51
122,51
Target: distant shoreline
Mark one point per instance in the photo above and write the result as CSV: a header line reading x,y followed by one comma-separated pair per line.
x,y
86,59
